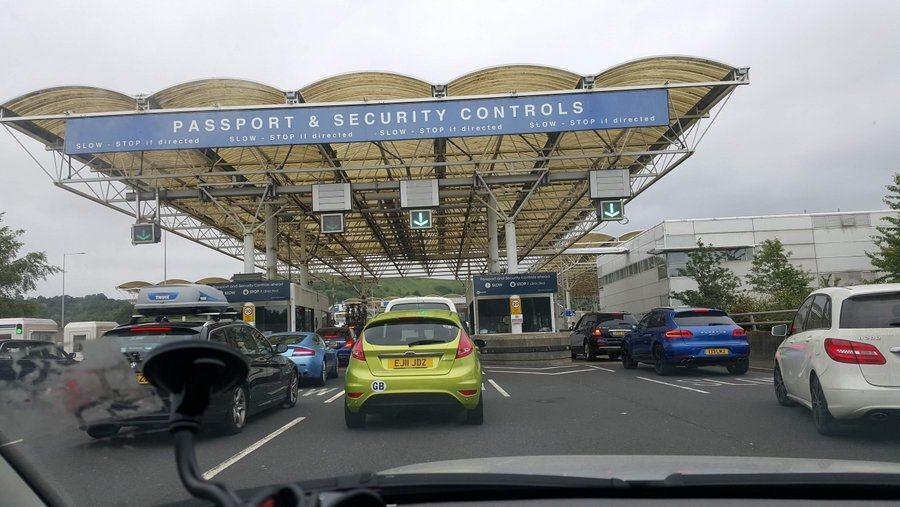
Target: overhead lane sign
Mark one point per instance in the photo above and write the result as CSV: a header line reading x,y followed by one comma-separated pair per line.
x,y
364,122
611,210
420,219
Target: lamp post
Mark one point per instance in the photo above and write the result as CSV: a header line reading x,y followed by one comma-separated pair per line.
x,y
62,316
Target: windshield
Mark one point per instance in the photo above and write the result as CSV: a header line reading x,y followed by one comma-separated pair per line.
x,y
419,306
872,311
411,331
561,238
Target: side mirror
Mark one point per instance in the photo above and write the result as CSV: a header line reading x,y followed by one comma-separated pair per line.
x,y
780,330
280,348
479,343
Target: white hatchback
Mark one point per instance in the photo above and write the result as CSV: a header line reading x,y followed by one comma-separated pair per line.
x,y
841,355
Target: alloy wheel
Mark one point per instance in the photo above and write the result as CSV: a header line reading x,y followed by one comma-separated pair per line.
x,y
239,408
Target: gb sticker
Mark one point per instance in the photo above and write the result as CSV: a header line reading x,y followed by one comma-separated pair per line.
x,y
379,385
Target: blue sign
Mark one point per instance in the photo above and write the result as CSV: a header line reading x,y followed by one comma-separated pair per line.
x,y
363,122
569,312
162,296
508,285
253,291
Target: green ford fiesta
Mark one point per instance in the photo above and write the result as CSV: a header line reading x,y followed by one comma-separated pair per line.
x,y
414,358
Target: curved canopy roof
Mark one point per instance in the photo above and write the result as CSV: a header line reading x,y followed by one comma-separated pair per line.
x,y
377,240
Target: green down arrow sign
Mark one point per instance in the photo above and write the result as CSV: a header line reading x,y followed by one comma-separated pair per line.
x,y
420,219
612,210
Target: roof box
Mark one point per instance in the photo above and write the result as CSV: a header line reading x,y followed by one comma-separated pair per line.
x,y
190,299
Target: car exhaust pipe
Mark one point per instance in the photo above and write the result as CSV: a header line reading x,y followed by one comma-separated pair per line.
x,y
878,416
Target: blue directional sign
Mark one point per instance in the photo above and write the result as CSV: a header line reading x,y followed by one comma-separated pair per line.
x,y
506,284
612,210
367,122
420,219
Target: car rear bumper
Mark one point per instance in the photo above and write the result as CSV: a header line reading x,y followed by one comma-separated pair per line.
x,y
849,396
412,390
307,366
694,354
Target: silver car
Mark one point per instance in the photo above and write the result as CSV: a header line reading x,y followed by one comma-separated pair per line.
x,y
841,355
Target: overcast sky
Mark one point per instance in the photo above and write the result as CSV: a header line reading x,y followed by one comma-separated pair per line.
x,y
816,130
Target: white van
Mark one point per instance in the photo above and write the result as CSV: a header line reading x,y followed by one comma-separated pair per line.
x,y
29,329
76,333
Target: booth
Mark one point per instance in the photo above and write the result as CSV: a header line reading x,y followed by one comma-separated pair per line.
x,y
521,303
280,305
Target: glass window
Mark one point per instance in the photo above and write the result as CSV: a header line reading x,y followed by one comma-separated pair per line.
x,y
78,342
816,319
616,319
242,339
493,316
411,332
272,317
289,338
588,321
800,319
536,315
871,311
47,336
711,318
645,321
262,343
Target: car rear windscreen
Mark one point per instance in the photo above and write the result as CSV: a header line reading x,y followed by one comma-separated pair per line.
x,y
144,341
615,319
710,318
419,306
288,339
873,311
331,333
411,332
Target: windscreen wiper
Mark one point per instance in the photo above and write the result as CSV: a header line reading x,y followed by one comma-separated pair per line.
x,y
424,342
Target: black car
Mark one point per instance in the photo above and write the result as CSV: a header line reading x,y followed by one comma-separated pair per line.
x,y
20,359
272,380
601,333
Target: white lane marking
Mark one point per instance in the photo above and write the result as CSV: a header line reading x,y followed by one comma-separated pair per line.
x,y
318,392
498,367
256,445
336,396
544,372
673,385
498,388
600,368
13,442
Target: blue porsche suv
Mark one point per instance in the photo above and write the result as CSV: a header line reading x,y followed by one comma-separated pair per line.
x,y
671,337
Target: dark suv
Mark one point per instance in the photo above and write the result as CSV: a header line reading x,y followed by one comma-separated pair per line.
x,y
272,380
601,333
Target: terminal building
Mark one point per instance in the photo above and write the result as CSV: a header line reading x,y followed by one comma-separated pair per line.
x,y
646,272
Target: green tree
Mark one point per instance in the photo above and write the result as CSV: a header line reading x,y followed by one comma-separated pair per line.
x,y
19,275
887,258
774,277
717,286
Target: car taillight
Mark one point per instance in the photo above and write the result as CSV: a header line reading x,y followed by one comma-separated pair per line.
x,y
598,332
846,351
465,346
357,351
348,343
303,351
354,395
678,333
468,392
739,331
148,329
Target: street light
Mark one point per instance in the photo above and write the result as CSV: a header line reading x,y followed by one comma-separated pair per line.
x,y
63,312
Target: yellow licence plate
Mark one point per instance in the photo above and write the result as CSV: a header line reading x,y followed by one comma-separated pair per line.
x,y
619,333
717,352
402,363
142,379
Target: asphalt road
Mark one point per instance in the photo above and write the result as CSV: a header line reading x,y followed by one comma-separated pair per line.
x,y
582,408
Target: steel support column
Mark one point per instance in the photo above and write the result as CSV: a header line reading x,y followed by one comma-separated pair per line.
x,y
512,260
304,260
249,252
493,242
271,243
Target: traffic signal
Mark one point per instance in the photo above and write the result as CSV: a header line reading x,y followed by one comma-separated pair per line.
x,y
18,329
